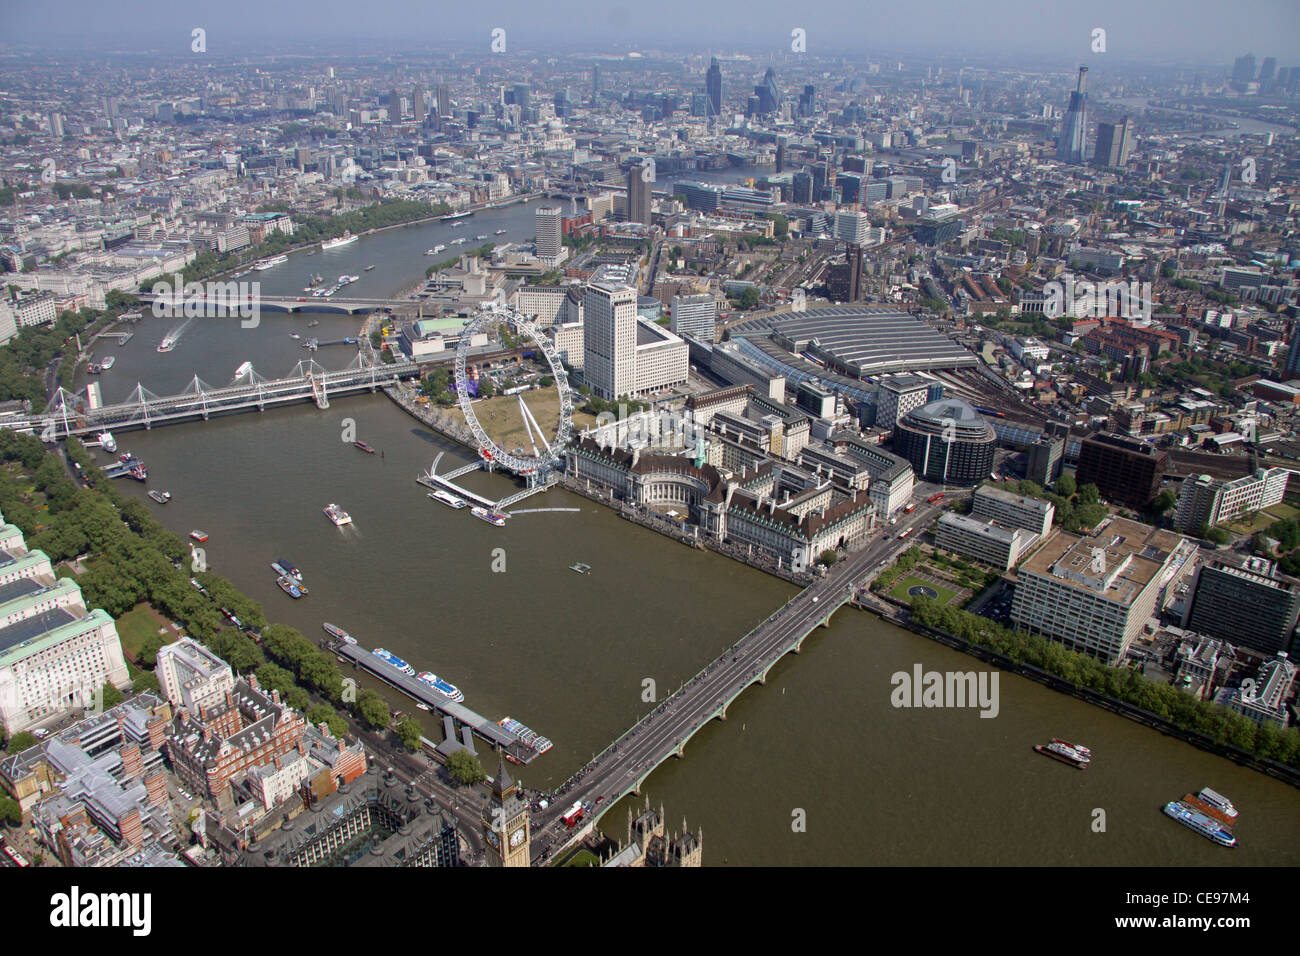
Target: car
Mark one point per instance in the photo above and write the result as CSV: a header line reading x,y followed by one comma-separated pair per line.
x,y
600,800
40,733
814,600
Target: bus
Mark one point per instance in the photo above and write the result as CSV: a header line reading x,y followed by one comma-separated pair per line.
x,y
911,506
933,498
904,534
573,815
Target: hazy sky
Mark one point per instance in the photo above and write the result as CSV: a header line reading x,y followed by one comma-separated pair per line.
x,y
1187,31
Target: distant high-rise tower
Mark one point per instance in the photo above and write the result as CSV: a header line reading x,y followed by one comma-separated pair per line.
x,y
638,192
444,100
394,105
713,87
769,97
1243,70
1114,143
595,83
417,103
1267,69
547,219
1072,147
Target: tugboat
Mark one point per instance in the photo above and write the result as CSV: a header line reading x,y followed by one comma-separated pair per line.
x,y
1066,753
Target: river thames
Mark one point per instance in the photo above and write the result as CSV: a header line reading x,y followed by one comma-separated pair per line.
x,y
570,654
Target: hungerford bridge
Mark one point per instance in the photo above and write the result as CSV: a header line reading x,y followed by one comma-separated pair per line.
x,y
70,414
229,299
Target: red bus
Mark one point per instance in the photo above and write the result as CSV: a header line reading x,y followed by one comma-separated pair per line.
x,y
573,816
905,534
911,506
933,498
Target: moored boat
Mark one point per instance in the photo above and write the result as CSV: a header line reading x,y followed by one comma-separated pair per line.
x,y
491,517
1084,751
162,497
393,660
450,691
290,568
294,588
107,442
338,633
447,498
1194,819
344,240
1213,804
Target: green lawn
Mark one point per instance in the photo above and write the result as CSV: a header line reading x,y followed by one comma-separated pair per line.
x,y
899,590
135,627
1282,511
582,858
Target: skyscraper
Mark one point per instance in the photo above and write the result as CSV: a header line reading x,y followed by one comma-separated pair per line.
x,y
1072,147
547,219
713,87
1243,70
638,192
417,103
769,97
609,348
595,83
444,100
1114,143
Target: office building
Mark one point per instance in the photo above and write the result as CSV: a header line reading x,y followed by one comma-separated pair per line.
x,y
1205,500
947,441
547,221
638,192
1046,460
1114,143
695,315
1095,594
1243,70
982,540
191,676
898,395
55,655
609,346
852,226
769,97
1124,469
1012,510
713,88
662,359
1245,601
1263,700
1072,147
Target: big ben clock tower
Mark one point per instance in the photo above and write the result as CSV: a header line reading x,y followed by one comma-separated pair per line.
x,y
505,824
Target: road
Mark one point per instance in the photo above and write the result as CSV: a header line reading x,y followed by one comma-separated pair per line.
x,y
616,771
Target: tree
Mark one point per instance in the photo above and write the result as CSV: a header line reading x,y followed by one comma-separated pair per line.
x,y
21,741
409,732
1089,494
11,814
485,387
465,768
1066,486
146,681
372,708
828,558
1164,501
112,696
1219,536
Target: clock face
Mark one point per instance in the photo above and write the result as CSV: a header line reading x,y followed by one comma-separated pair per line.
x,y
517,838
493,839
